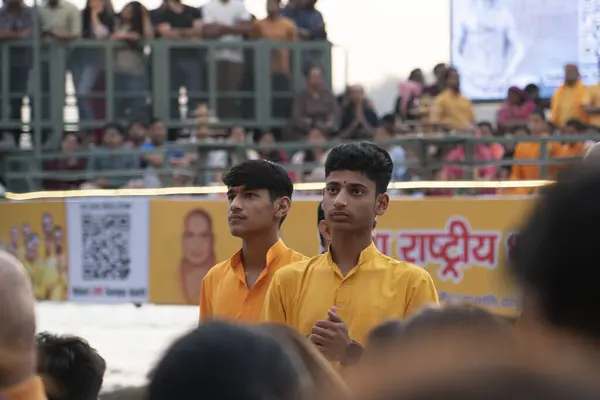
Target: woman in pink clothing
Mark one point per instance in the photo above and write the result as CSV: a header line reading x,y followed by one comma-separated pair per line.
x,y
482,152
515,110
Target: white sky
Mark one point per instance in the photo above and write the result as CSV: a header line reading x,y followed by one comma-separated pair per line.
x,y
383,38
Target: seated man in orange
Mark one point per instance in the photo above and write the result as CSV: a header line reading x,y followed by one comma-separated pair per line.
x,y
532,150
259,194
336,298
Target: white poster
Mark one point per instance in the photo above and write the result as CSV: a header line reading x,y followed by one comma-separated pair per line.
x,y
108,249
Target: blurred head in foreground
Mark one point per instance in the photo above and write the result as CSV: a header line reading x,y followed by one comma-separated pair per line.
x,y
555,261
127,393
316,373
495,383
70,367
17,332
228,362
431,343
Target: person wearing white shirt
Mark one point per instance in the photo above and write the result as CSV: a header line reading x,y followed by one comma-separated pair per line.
x,y
228,21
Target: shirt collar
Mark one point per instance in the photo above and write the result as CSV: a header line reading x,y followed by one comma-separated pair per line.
x,y
365,256
273,254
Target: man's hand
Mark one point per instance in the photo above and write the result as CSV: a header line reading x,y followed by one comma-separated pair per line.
x,y
331,336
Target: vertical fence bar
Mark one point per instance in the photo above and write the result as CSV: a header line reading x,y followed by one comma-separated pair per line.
x,y
544,158
212,78
109,90
36,88
5,93
262,82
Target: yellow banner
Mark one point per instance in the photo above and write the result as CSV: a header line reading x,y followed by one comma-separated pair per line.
x,y
461,242
36,233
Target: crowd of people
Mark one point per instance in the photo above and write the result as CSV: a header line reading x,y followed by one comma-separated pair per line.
x,y
350,323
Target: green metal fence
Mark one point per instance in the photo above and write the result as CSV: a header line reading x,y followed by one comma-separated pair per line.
x,y
48,61
23,174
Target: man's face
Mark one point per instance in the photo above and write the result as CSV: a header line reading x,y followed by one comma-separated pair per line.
x,y
112,138
452,82
158,132
315,78
272,7
571,74
486,130
196,240
349,201
250,211
356,94
536,124
137,132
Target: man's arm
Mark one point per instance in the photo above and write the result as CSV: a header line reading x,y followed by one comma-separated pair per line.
x,y
588,101
274,307
206,311
422,293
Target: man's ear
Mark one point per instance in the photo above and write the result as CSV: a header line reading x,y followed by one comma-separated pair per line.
x,y
324,230
383,202
283,206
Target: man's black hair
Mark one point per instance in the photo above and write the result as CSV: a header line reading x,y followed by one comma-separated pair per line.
x,y
320,217
368,158
576,124
261,174
556,253
227,362
73,364
114,126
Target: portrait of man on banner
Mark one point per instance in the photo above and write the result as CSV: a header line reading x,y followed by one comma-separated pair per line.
x,y
197,252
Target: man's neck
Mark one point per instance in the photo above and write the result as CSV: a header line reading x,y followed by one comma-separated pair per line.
x,y
255,249
349,245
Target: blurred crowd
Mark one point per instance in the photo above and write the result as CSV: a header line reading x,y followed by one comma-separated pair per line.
x,y
314,115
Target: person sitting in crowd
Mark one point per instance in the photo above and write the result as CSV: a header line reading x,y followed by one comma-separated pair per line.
x,y
515,110
69,367
359,118
567,101
409,94
68,146
268,147
451,110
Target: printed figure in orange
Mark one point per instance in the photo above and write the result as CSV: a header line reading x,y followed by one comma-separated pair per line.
x,y
198,252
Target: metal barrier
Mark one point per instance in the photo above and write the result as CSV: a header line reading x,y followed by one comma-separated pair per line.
x,y
21,167
41,67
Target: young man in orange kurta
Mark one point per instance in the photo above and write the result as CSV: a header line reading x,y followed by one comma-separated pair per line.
x,y
259,197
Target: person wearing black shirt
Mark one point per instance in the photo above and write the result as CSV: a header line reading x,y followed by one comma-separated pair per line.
x,y
177,21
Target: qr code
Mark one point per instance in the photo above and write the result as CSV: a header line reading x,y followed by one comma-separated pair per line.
x,y
105,242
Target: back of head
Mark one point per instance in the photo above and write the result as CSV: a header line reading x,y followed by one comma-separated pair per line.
x,y
228,362
17,322
320,376
127,393
493,384
260,174
363,157
593,155
555,254
385,334
70,367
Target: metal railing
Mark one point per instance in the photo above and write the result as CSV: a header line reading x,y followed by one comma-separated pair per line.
x,y
22,174
48,66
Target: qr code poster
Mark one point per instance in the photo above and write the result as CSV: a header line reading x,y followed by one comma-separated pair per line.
x,y
108,240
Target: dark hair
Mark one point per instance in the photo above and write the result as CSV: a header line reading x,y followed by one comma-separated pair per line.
x,y
531,87
367,158
137,17
385,333
76,367
106,17
577,125
320,217
226,361
114,126
555,253
439,67
486,124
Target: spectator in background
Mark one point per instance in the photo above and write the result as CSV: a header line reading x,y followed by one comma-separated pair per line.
x,y
227,21
487,131
384,133
314,155
451,110
69,367
88,64
136,135
68,145
308,20
277,28
533,92
131,70
359,119
267,149
16,21
574,127
225,159
531,150
177,21
515,110
591,105
567,101
104,160
314,106
157,133
439,73
409,94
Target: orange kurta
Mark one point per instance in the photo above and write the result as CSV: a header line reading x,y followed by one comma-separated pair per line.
x,y
523,172
567,104
225,293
